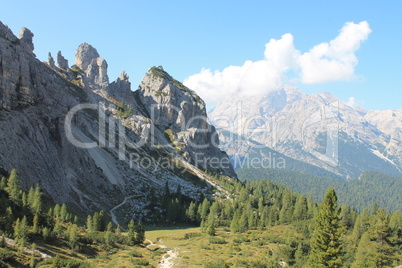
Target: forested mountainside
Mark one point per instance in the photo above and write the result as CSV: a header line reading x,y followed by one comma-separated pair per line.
x,y
260,224
361,192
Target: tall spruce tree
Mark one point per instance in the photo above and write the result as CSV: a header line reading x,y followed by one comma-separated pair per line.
x,y
13,186
326,245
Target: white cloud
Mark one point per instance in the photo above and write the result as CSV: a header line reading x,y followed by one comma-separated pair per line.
x,y
351,102
325,62
354,103
335,60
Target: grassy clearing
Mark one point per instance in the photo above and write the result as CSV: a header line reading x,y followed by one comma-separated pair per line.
x,y
238,250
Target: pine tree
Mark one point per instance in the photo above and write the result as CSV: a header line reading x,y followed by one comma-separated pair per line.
x,y
58,229
45,233
365,253
63,212
56,211
35,224
36,204
8,220
24,200
380,234
95,222
118,230
191,212
139,234
109,227
234,225
326,245
89,223
101,223
13,186
3,183
131,232
73,236
21,232
211,228
30,196
300,211
205,209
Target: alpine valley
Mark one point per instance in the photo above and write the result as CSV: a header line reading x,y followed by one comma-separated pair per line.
x,y
97,173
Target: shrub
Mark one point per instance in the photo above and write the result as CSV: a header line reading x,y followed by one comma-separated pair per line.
x,y
191,235
135,254
6,254
217,240
141,262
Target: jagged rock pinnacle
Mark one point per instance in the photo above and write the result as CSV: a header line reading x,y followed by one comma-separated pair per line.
x,y
61,61
84,55
26,37
51,61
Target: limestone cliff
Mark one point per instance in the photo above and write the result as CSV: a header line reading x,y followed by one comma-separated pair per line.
x,y
94,145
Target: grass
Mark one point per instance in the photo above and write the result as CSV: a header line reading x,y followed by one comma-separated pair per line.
x,y
238,250
195,249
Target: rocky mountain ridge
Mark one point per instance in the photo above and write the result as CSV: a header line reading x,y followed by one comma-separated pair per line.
x,y
317,129
98,145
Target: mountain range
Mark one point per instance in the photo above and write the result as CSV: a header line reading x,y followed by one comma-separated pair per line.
x,y
316,134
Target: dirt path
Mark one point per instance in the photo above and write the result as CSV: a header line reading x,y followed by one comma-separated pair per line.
x,y
167,259
114,219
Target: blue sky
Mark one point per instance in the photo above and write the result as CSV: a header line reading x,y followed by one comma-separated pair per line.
x,y
186,36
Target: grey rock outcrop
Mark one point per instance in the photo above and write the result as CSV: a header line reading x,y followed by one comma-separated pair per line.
x,y
22,82
96,73
62,62
84,55
7,34
179,112
120,89
87,59
50,60
26,38
38,140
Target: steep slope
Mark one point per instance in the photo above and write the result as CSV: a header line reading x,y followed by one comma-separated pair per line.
x,y
317,129
94,145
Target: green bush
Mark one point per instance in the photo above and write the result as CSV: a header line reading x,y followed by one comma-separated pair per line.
x,y
6,254
191,235
140,262
135,254
64,263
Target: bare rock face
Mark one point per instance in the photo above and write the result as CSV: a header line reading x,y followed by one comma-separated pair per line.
x,y
87,59
50,60
24,84
84,55
96,74
26,37
35,101
120,89
61,61
179,112
7,34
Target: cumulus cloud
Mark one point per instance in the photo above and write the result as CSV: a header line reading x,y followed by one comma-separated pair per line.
x,y
335,60
332,61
